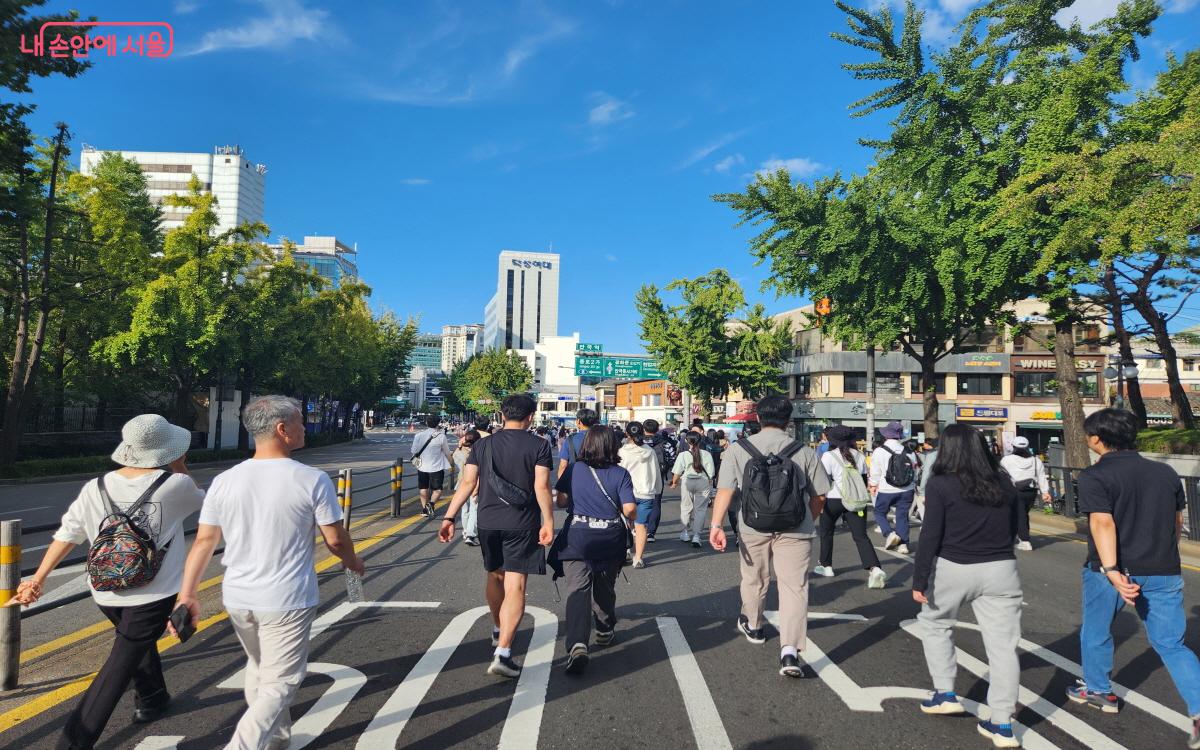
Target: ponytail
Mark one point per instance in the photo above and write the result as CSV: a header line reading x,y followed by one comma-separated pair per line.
x,y
693,441
636,433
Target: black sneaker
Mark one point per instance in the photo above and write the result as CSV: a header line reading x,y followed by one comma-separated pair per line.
x,y
577,660
754,635
789,666
504,666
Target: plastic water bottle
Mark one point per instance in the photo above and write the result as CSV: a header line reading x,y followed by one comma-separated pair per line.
x,y
354,587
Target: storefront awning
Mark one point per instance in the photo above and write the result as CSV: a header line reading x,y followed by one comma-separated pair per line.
x,y
1040,425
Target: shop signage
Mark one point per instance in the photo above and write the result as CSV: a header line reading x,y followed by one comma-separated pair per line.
x,y
1046,364
983,360
982,413
1046,416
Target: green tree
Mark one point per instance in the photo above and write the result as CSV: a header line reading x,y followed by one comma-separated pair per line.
x,y
705,349
492,375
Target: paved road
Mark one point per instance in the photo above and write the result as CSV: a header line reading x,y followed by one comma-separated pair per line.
x,y
408,669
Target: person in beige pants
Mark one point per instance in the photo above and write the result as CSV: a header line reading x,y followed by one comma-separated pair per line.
x,y
789,551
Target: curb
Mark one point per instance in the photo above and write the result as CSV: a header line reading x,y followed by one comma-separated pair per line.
x,y
1077,529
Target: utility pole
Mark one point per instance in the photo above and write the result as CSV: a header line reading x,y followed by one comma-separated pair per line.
x,y
870,395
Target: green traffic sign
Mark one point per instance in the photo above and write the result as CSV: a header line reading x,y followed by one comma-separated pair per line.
x,y
589,367
589,348
621,368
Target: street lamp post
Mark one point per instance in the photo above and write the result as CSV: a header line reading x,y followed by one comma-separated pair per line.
x,y
1124,369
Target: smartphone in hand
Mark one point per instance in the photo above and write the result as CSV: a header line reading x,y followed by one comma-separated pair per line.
x,y
181,620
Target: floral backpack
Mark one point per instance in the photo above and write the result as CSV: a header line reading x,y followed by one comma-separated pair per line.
x,y
124,555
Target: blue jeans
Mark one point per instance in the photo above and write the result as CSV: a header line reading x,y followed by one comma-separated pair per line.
x,y
655,516
1160,606
646,506
903,502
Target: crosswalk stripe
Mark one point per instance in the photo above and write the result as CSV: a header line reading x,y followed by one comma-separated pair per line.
x,y
697,699
160,743
524,721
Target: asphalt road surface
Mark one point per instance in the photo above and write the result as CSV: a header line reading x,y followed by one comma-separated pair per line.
x,y
407,668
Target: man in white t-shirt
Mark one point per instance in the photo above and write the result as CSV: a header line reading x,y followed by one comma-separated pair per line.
x,y
268,509
429,445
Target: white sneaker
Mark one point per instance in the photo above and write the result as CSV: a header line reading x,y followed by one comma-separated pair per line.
x,y
892,541
823,571
685,536
876,579
1025,546
903,549
878,530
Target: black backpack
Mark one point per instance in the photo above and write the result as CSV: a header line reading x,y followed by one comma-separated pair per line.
x,y
900,472
667,452
773,489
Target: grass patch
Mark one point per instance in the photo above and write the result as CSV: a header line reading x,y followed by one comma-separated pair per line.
x,y
1169,440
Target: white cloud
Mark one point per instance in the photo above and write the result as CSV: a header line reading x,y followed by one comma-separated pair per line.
x,y
415,181
1087,12
704,151
286,21
728,163
797,167
610,258
453,59
1181,6
183,7
608,110
957,7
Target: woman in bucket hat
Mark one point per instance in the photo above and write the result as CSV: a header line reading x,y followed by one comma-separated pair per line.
x,y
151,457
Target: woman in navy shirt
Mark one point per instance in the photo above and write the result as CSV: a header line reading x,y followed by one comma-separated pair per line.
x,y
590,549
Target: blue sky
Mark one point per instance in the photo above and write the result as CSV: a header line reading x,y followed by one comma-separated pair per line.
x,y
435,134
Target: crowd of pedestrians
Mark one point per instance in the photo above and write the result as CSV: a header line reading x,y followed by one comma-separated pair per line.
x,y
778,495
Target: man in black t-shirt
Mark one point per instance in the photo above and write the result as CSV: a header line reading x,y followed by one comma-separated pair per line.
x,y
510,472
1135,514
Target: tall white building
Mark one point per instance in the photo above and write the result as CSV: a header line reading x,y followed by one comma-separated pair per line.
x,y
558,390
524,310
238,184
460,343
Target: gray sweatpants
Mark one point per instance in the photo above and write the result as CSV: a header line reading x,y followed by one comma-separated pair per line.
x,y
993,590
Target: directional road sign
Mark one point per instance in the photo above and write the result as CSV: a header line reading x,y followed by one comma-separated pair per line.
x,y
589,367
587,349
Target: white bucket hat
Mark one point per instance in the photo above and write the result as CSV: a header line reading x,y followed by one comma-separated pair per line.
x,y
149,441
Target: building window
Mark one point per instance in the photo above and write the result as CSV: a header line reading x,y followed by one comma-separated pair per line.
x,y
523,346
803,385
1045,384
980,385
548,406
1189,365
508,315
914,383
887,383
539,309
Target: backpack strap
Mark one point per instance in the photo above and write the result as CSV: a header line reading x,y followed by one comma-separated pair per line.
x,y
792,449
571,451
137,504
754,452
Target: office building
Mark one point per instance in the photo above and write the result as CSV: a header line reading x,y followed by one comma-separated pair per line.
x,y
238,184
560,393
524,310
460,343
427,353
328,256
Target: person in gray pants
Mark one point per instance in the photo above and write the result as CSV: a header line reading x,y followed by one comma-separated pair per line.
x,y
965,556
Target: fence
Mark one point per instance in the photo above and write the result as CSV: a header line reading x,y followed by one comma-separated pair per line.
x,y
1064,493
10,554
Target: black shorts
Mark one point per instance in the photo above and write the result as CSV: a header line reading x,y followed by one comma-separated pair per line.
x,y
430,480
512,551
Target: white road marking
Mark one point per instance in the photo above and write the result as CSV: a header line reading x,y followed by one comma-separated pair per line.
x,y
24,510
346,684
1091,738
1130,696
524,721
160,743
707,727
384,730
831,674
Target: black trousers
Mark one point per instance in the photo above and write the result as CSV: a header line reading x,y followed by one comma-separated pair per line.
x,y
590,594
134,658
858,529
1025,501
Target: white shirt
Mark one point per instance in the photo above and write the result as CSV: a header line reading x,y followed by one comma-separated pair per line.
x,y
1020,468
268,511
162,515
835,467
437,456
879,465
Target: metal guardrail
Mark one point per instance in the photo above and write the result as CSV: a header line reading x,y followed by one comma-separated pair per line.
x,y
1064,492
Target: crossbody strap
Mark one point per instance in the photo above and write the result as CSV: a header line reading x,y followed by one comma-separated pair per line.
x,y
600,484
423,447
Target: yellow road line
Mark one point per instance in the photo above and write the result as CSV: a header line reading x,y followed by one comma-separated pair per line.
x,y
83,633
22,713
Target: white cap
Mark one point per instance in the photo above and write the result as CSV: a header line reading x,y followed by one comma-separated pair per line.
x,y
1020,442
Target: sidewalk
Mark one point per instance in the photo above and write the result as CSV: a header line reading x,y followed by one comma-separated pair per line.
x,y
1076,530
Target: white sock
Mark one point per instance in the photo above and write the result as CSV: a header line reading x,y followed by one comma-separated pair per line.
x,y
787,651
505,652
